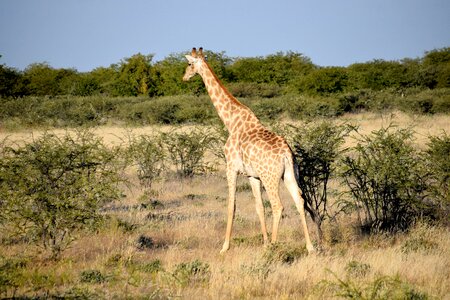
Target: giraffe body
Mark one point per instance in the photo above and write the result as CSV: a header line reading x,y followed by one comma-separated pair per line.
x,y
251,149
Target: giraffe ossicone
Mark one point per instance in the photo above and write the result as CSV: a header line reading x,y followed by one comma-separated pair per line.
x,y
253,150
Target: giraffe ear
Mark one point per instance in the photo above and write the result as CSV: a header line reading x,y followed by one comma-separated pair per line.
x,y
190,58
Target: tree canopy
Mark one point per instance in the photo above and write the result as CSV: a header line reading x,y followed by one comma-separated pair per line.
x,y
279,73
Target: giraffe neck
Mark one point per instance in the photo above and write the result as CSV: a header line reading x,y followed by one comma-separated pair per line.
x,y
233,113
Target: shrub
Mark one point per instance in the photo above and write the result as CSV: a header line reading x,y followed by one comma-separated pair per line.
x,y
316,150
283,253
385,180
383,287
437,162
357,269
145,242
11,276
92,276
154,266
148,154
253,89
194,272
187,150
53,187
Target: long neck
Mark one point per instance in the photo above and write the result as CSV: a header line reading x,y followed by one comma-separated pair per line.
x,y
233,113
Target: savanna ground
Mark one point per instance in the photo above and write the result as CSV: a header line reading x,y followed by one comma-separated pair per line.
x,y
165,244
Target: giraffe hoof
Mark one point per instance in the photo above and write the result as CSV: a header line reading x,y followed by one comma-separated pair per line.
x,y
224,249
310,249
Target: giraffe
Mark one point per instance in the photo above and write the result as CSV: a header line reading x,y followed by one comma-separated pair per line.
x,y
252,150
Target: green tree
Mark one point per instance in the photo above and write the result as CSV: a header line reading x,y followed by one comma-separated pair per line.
x,y
436,68
280,68
324,81
169,73
380,74
135,76
40,79
10,80
105,78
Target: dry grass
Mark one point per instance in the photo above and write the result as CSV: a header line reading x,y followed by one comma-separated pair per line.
x,y
188,225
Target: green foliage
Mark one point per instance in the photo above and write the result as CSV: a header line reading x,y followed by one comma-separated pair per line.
x,y
10,82
153,267
316,149
187,150
135,76
283,253
357,269
53,187
43,80
419,243
383,287
148,154
11,276
279,69
324,81
191,273
268,76
385,179
436,68
167,110
438,164
92,276
253,89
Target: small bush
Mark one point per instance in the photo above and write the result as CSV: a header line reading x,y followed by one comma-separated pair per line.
x,y
92,276
145,242
357,269
147,153
126,226
383,287
194,272
187,150
152,267
283,253
418,244
11,276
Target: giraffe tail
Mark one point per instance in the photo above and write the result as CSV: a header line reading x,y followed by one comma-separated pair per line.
x,y
293,163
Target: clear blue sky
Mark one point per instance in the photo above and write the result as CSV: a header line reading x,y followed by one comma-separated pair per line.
x,y
85,34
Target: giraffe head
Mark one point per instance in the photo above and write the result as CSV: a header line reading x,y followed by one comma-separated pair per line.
x,y
195,66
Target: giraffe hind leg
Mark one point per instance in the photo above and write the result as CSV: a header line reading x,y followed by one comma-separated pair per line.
x,y
277,208
291,185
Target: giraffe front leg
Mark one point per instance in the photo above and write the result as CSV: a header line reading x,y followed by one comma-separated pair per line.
x,y
231,177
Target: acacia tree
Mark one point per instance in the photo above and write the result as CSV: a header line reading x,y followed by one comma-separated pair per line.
x,y
385,180
52,188
317,148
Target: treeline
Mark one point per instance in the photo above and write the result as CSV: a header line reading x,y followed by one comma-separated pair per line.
x,y
274,75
